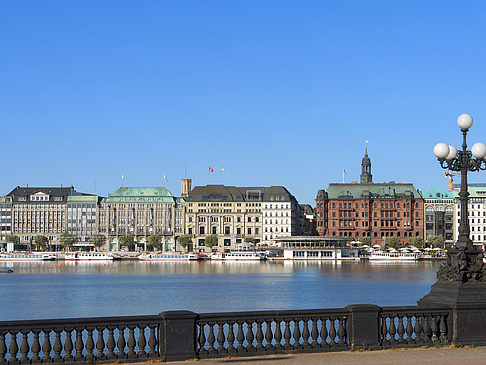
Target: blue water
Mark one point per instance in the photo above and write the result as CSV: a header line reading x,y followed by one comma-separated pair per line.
x,y
39,290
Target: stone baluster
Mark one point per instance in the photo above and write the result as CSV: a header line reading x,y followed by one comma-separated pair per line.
x,y
269,335
100,344
79,345
259,337
24,348
110,344
384,329
36,348
13,349
401,329
342,332
68,346
231,337
287,335
418,329
120,344
3,348
305,333
332,332
426,329
202,339
409,329
131,342
152,342
249,336
142,342
89,345
57,347
324,333
392,330
211,339
278,335
240,337
297,334
221,339
314,333
46,346
434,328
443,328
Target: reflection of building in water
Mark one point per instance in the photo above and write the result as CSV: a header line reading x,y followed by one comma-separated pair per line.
x,y
439,213
316,248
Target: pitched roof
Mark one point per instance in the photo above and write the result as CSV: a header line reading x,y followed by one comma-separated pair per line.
x,y
239,194
25,192
140,194
372,191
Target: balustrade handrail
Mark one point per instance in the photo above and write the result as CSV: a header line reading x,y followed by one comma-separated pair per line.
x,y
280,314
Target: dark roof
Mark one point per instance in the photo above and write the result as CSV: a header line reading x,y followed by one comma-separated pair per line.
x,y
371,191
218,193
63,193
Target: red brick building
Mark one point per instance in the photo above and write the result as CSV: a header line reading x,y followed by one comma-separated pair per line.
x,y
370,210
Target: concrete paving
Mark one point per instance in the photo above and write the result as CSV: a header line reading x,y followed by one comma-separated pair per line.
x,y
420,356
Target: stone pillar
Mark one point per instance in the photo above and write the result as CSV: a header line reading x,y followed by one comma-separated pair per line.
x,y
177,335
364,326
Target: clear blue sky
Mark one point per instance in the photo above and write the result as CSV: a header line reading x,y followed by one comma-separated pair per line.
x,y
276,92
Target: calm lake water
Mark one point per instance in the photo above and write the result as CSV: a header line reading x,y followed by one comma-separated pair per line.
x,y
39,290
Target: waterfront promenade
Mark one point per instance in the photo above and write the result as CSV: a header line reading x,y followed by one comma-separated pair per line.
x,y
416,356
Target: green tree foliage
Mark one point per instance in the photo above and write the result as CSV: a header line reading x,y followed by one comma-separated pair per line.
x,y
365,241
211,241
393,242
416,241
128,241
436,241
12,238
154,240
249,240
98,240
40,242
68,240
185,240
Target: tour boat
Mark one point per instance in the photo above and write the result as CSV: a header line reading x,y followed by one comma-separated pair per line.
x,y
394,256
26,256
238,256
167,256
88,256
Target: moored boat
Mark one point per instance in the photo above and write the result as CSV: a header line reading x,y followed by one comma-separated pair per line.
x,y
26,256
238,256
394,256
88,256
167,256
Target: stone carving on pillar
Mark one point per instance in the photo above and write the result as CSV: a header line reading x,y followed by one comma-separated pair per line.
x,y
462,266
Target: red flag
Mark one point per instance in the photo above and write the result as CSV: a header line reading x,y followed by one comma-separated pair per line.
x,y
211,169
344,171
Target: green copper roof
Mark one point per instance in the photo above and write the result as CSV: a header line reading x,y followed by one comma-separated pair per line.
x,y
474,192
372,191
437,194
83,199
5,199
140,195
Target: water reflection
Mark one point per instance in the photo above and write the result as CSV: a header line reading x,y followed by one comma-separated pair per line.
x,y
86,289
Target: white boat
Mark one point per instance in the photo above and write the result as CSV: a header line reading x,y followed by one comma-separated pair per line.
x,y
167,256
26,256
88,256
394,256
238,256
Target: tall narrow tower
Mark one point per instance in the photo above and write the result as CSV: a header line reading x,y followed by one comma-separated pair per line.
x,y
366,177
185,187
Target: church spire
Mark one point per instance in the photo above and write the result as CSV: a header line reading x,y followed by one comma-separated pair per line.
x,y
366,177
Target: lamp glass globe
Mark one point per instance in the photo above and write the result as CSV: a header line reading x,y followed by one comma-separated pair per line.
x,y
465,121
479,150
441,150
452,153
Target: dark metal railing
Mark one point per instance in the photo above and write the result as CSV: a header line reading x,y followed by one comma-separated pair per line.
x,y
181,335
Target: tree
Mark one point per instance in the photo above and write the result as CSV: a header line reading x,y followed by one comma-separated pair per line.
x,y
436,241
41,242
128,241
12,238
68,240
393,242
185,240
154,240
416,241
98,240
365,240
249,240
211,241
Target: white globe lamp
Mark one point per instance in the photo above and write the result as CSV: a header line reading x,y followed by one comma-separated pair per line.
x,y
465,121
479,150
452,153
441,150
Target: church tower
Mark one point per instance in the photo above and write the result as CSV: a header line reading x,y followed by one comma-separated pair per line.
x,y
366,177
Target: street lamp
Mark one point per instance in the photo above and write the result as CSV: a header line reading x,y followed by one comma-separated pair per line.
x,y
452,159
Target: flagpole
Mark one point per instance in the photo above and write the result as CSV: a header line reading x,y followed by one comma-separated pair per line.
x,y
343,176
